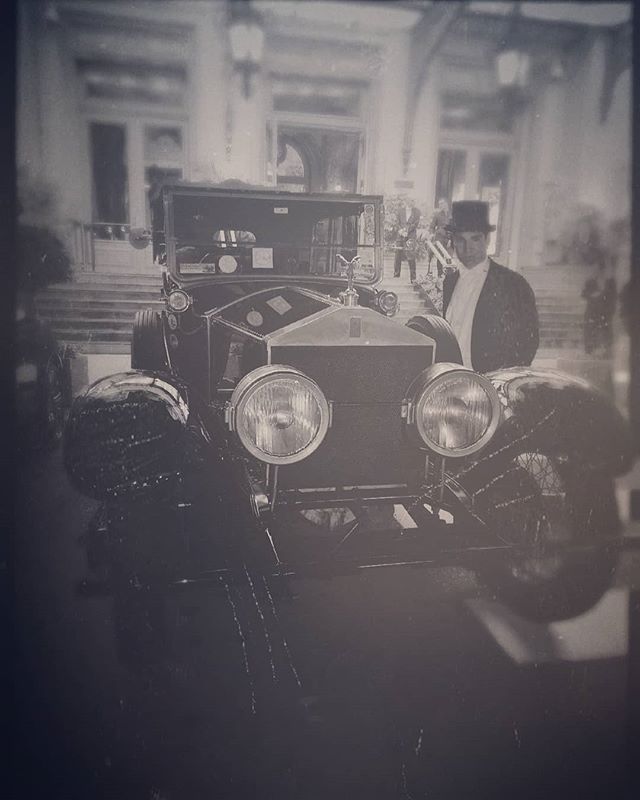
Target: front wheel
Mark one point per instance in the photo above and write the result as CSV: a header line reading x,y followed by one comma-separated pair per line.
x,y
147,343
564,527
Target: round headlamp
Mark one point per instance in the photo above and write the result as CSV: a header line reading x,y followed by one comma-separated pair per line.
x,y
178,300
279,414
388,303
454,410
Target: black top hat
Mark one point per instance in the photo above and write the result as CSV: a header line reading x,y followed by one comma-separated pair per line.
x,y
470,215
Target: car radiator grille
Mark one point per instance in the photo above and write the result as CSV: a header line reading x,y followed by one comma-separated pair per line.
x,y
365,445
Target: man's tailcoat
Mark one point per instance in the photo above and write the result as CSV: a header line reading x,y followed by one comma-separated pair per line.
x,y
505,322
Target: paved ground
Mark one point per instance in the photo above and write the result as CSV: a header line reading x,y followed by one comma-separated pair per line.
x,y
391,684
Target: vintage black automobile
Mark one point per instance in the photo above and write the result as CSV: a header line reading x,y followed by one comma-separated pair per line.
x,y
276,415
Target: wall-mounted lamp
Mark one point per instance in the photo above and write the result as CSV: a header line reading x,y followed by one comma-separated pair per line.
x,y
557,70
51,13
246,36
513,67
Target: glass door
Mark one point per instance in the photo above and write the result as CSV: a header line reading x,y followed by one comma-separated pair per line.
x,y
130,161
473,173
314,158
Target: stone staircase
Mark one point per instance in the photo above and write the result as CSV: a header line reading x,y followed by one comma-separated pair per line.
x,y
94,313
409,298
560,310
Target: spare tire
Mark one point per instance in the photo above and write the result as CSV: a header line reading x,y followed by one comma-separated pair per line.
x,y
447,347
147,343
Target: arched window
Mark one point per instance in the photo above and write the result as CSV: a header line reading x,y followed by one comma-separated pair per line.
x,y
292,172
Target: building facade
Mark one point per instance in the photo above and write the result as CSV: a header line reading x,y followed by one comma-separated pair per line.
x,y
391,98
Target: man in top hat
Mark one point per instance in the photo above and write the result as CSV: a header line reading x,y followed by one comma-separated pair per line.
x,y
491,309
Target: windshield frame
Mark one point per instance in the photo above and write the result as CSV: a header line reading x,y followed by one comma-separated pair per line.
x,y
169,192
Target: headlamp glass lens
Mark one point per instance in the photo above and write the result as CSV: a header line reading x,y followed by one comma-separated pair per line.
x,y
281,417
456,412
178,301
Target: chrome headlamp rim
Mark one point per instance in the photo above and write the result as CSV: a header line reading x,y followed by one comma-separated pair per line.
x,y
172,305
424,385
255,380
385,295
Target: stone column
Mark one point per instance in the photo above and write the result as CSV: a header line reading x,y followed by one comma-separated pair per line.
x,y
246,156
29,144
210,88
424,160
541,178
51,140
64,137
604,161
393,83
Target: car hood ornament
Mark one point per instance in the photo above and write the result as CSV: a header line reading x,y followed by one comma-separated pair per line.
x,y
349,297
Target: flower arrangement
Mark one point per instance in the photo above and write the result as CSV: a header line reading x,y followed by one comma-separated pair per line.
x,y
42,256
430,286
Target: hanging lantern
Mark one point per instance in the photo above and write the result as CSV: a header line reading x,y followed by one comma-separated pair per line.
x,y
246,37
513,67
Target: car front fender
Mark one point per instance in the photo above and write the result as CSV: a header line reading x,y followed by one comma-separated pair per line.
x,y
559,415
135,434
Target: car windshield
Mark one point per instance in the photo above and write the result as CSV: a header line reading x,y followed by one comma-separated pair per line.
x,y
271,236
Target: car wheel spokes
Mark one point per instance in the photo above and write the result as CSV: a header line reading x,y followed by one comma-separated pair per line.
x,y
544,472
548,519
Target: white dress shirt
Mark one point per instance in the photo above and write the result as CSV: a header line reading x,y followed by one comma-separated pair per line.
x,y
462,305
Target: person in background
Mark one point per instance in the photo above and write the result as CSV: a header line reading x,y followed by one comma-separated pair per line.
x,y
408,220
586,246
438,230
491,309
600,292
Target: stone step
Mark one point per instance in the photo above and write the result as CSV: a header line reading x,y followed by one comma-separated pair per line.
x,y
96,308
555,301
559,344
560,330
550,340
91,292
556,330
557,321
76,321
560,314
414,300
410,299
99,348
408,295
410,302
560,324
556,327
135,278
104,334
559,288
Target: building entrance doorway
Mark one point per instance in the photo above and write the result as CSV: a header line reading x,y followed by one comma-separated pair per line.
x,y
315,159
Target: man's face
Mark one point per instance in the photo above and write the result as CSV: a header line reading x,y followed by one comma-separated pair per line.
x,y
471,247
